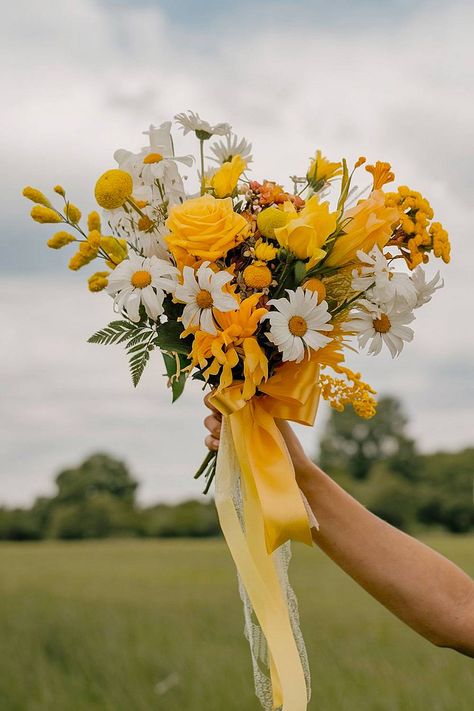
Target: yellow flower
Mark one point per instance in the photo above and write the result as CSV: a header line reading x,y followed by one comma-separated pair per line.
x,y
59,190
94,238
93,221
269,219
224,181
36,196
73,213
317,287
348,390
113,188
85,254
321,169
206,227
370,223
441,244
264,251
257,275
381,174
116,249
60,239
307,231
238,329
98,281
45,215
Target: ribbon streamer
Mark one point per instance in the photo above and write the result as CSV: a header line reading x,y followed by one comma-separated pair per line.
x,y
253,456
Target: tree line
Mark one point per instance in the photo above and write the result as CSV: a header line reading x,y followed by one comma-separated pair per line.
x,y
375,460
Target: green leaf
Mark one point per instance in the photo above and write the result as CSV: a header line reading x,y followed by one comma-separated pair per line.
x,y
139,355
177,384
115,332
168,338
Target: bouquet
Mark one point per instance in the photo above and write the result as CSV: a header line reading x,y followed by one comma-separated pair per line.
x,y
257,291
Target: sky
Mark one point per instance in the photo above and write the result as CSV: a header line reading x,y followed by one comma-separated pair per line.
x,y
392,81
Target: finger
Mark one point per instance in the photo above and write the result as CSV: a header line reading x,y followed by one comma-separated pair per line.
x,y
211,443
208,403
213,425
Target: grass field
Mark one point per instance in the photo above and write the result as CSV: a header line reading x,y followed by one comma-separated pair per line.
x,y
141,625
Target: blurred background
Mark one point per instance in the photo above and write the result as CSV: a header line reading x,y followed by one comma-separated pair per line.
x,y
138,623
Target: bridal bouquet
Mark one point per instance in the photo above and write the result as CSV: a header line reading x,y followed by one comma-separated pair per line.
x,y
257,291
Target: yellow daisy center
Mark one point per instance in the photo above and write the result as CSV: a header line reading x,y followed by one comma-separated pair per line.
x,y
153,158
204,299
382,324
297,326
144,223
141,279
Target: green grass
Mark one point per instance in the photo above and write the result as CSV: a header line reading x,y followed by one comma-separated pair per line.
x,y
89,626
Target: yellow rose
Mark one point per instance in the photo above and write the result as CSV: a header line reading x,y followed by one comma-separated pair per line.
x,y
205,227
224,180
307,231
370,224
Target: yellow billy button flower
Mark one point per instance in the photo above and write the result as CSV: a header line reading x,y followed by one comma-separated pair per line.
x,y
152,158
270,219
98,281
45,215
265,252
113,188
36,196
93,221
317,287
224,181
73,213
257,275
60,239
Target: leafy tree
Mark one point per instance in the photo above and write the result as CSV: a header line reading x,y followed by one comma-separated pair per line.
x,y
353,445
99,516
98,474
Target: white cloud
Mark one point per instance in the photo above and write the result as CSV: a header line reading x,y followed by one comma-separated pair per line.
x,y
85,78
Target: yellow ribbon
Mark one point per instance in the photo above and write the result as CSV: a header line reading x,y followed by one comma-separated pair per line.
x,y
273,507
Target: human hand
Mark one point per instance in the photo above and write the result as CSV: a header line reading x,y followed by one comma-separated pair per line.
x,y
213,423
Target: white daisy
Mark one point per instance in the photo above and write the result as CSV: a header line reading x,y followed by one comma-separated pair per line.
x,y
424,289
189,121
156,162
297,324
224,151
387,285
380,325
141,280
201,291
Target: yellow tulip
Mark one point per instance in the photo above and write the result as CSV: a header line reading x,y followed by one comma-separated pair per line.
x,y
370,223
224,181
307,231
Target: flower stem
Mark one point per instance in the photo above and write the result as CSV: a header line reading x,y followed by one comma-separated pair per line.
x,y
201,149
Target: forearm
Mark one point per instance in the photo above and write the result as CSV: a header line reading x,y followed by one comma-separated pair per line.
x,y
420,586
